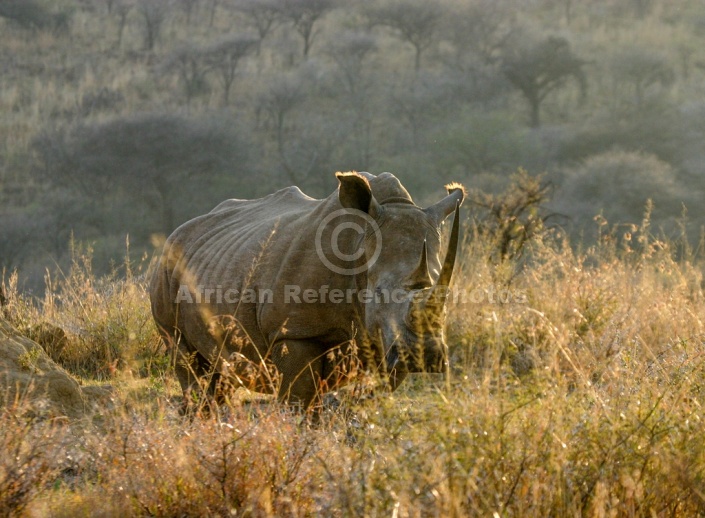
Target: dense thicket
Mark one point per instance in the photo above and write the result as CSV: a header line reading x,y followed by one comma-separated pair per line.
x,y
130,116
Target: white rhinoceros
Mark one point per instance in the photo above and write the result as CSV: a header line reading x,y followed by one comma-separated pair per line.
x,y
292,294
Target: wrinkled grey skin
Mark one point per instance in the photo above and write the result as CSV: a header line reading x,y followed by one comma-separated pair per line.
x,y
305,348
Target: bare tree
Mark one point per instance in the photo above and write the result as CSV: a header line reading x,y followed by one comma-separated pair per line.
x,y
304,14
284,95
350,51
213,7
568,11
414,20
418,101
474,35
264,15
513,219
478,32
225,56
188,6
121,9
537,70
154,13
150,157
642,69
191,64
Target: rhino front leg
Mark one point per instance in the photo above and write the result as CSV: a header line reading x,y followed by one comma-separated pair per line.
x,y
196,377
300,364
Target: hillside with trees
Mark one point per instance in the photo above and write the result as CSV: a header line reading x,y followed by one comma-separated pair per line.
x,y
576,324
128,117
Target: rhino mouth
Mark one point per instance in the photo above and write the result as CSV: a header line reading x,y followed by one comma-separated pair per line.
x,y
411,352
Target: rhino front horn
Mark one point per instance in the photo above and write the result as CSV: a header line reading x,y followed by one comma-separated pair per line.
x,y
436,299
449,261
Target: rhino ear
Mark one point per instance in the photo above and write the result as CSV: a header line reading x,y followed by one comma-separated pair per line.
x,y
444,208
354,192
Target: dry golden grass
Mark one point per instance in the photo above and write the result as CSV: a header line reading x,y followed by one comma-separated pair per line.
x,y
584,396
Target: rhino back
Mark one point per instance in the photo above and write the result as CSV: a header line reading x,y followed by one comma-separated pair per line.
x,y
258,245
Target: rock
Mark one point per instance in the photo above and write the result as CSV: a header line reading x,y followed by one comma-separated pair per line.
x,y
52,339
27,371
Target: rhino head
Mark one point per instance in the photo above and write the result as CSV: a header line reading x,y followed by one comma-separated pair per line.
x,y
404,320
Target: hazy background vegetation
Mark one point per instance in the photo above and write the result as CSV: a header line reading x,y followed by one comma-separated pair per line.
x,y
124,117
130,116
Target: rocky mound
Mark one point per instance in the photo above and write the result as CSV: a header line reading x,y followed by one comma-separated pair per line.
x,y
27,371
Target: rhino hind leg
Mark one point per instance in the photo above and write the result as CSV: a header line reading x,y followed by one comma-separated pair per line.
x,y
300,366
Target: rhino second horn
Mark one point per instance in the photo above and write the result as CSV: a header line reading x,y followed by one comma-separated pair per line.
x,y
421,275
